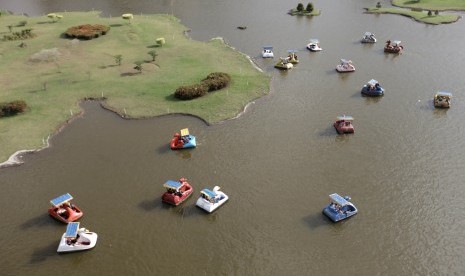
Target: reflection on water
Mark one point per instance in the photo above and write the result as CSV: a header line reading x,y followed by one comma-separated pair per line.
x,y
278,163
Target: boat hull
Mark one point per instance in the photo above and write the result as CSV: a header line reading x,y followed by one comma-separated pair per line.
x,y
344,129
267,55
342,69
393,50
372,92
175,199
313,48
212,206
87,240
441,104
338,215
177,144
71,213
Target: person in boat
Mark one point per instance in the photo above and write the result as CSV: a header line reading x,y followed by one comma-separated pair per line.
x,y
61,210
185,139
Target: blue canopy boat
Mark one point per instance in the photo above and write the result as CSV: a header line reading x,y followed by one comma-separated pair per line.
x,y
372,89
339,208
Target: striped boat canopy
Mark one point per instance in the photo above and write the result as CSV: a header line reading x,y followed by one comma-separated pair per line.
x,y
339,200
208,193
171,184
72,229
185,132
61,199
345,118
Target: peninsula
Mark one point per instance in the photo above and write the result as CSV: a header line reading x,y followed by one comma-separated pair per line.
x,y
126,66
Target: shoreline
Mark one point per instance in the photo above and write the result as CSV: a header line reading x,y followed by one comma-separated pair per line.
x,y
401,9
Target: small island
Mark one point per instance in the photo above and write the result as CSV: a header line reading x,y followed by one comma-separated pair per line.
x,y
425,11
136,65
308,11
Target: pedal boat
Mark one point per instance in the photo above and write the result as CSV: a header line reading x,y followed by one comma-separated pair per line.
x,y
284,64
314,45
176,191
372,89
63,210
267,52
210,200
442,99
292,56
346,66
393,47
339,208
183,140
368,38
76,239
344,125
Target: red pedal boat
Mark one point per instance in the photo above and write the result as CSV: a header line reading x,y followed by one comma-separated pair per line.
x,y
63,210
343,124
183,140
176,191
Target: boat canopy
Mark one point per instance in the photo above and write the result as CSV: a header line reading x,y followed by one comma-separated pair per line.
x,y
208,193
292,51
314,40
345,118
268,47
369,34
339,200
185,132
346,61
444,94
61,199
372,82
171,184
396,42
72,229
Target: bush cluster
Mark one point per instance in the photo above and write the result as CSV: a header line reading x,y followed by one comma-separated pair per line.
x,y
87,31
23,34
214,81
12,108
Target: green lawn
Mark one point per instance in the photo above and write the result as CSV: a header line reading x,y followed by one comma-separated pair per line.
x,y
431,4
421,16
88,69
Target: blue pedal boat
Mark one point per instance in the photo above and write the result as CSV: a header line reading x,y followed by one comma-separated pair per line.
x,y
339,208
372,89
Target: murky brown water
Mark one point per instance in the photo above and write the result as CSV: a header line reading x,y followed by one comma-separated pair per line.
x,y
404,167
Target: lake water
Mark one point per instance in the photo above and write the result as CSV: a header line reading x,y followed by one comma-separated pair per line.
x,y
404,167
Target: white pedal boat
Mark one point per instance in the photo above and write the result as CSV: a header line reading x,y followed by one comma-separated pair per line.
x,y
314,45
210,200
76,239
267,52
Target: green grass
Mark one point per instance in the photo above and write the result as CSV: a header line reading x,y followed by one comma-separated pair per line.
x,y
88,69
421,16
439,5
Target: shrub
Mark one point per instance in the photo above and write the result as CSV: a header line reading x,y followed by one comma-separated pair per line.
x,y
23,34
87,31
12,108
309,7
160,41
190,92
216,81
300,7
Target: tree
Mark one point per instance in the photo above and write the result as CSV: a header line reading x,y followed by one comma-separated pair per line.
x,y
378,5
436,12
309,7
300,7
138,66
430,13
118,59
153,54
10,27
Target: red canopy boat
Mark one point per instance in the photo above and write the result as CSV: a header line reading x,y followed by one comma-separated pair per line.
x,y
343,124
63,210
393,47
176,191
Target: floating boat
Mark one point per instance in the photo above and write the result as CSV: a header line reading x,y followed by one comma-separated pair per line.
x,y
176,191
63,210
442,99
292,56
76,239
339,208
345,66
393,47
368,38
314,45
284,64
267,52
210,200
373,89
183,140
344,125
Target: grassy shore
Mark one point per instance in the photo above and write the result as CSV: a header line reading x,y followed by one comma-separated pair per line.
x,y
83,69
420,16
440,5
304,12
